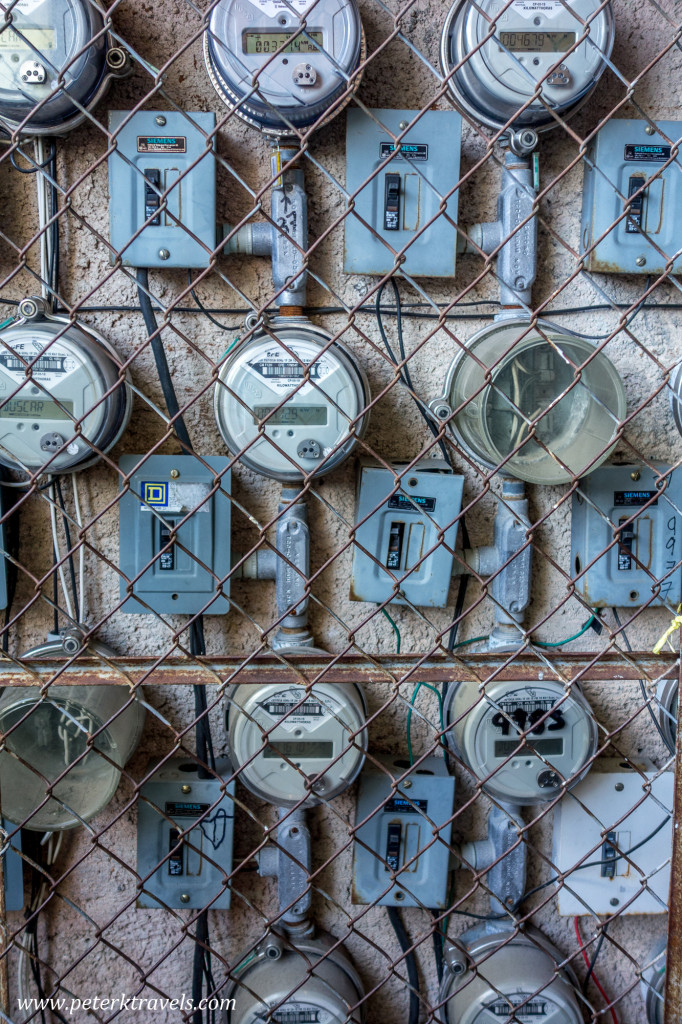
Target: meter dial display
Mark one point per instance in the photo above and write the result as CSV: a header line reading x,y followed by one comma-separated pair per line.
x,y
534,377
507,50
486,733
300,74
54,53
307,982
53,376
506,970
289,400
282,738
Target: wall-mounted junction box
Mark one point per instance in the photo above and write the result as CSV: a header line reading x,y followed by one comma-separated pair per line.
x,y
597,825
13,872
402,513
407,832
175,535
625,165
623,502
163,172
397,201
188,870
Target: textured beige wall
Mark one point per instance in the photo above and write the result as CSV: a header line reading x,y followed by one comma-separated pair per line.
x,y
103,884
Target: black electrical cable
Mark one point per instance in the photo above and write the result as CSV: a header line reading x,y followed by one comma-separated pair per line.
x,y
597,950
159,353
223,327
669,747
410,961
35,167
438,940
199,966
461,598
67,535
55,591
31,844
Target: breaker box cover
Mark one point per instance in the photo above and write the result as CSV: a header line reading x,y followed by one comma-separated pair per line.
x,y
394,202
610,812
625,164
408,526
162,175
406,831
624,509
176,533
187,871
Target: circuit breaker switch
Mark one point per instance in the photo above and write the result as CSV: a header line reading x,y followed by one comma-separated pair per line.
x,y
393,837
394,557
152,197
635,216
608,856
392,202
175,861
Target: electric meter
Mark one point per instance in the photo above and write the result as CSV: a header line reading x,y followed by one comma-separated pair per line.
x,y
551,396
64,397
280,68
293,743
529,65
653,986
292,400
485,733
313,980
83,733
667,709
507,975
56,56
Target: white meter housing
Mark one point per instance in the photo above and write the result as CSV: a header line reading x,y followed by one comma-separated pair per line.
x,y
510,51
485,732
294,743
64,399
291,401
56,54
506,975
81,735
537,378
311,981
281,68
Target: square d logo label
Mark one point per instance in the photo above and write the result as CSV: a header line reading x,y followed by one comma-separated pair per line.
x,y
155,493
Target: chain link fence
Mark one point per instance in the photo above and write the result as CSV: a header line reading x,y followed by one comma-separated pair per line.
x,y
341,511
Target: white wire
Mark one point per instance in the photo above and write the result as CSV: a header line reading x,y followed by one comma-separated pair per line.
x,y
55,541
81,550
45,239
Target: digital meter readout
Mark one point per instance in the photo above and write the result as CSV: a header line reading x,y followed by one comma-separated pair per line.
x,y
41,38
270,42
35,409
538,42
300,749
305,415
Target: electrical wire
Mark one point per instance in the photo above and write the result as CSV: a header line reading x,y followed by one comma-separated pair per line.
x,y
81,550
67,536
438,943
647,700
597,984
560,643
593,960
206,312
409,718
57,550
401,935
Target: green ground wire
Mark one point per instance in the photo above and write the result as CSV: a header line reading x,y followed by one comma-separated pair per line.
x,y
435,690
559,643
395,630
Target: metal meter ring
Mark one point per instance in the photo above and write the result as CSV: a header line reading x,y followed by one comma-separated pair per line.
x,y
282,93
496,54
652,985
306,979
561,740
288,427
667,697
57,56
530,376
493,968
281,736
71,401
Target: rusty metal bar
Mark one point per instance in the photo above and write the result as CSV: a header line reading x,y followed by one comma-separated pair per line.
x,y
607,667
672,1007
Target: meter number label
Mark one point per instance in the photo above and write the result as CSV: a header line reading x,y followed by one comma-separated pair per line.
x,y
293,709
534,717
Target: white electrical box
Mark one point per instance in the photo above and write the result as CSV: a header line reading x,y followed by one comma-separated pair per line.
x,y
612,811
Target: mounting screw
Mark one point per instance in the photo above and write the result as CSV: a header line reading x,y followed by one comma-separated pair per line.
x,y
636,475
184,897
619,787
649,129
175,473
614,902
403,125
407,784
185,788
160,120
164,254
641,261
458,967
442,412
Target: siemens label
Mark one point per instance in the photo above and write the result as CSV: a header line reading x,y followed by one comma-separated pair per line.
x,y
408,150
647,152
